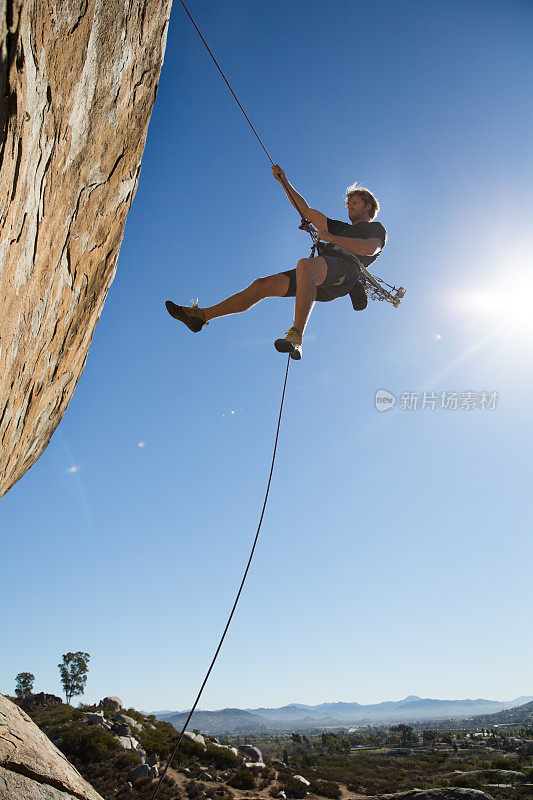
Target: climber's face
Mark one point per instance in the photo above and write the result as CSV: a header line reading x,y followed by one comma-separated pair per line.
x,y
358,210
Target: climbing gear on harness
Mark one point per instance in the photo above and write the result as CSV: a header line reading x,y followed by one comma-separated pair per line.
x,y
291,344
191,315
375,288
306,226
208,673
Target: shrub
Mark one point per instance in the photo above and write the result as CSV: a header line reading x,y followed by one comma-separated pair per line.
x,y
294,788
193,790
160,741
243,779
221,757
267,776
128,759
326,789
466,782
87,743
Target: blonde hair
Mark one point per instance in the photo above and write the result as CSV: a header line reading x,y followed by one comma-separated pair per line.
x,y
366,195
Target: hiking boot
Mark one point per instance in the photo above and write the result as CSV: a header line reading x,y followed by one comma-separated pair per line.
x,y
292,344
191,316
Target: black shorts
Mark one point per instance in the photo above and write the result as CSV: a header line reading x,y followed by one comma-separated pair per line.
x,y
341,278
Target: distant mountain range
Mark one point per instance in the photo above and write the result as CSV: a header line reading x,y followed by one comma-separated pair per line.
x,y
297,716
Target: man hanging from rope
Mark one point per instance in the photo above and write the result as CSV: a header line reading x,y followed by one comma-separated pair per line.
x,y
335,272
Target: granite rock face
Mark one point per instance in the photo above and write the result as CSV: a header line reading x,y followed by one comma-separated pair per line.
x,y
31,768
78,80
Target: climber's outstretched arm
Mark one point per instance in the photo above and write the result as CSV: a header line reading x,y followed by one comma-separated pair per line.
x,y
318,219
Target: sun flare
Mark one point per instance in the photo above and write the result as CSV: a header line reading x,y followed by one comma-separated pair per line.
x,y
507,302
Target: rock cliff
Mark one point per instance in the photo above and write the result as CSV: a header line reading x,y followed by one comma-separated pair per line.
x,y
78,80
31,768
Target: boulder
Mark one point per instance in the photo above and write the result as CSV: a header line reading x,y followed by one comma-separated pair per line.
x,y
194,737
128,742
38,700
225,747
138,772
252,753
95,717
255,764
125,720
152,760
302,780
31,767
78,83
111,703
122,730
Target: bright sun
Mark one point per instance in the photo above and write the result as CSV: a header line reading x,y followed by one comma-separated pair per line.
x,y
507,302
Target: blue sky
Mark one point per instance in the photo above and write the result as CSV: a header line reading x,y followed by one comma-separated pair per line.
x,y
396,549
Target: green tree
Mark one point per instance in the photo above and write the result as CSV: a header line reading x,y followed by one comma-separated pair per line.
x,y
429,737
73,671
407,736
24,685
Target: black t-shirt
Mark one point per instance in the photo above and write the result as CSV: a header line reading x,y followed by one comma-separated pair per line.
x,y
361,230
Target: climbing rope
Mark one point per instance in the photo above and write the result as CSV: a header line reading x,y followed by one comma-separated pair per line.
x,y
305,223
180,737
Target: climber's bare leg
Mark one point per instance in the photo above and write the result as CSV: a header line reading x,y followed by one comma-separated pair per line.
x,y
271,286
310,273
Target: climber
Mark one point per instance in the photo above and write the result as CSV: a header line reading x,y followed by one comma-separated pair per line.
x,y
335,272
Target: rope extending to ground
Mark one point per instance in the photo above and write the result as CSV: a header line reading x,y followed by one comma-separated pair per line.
x,y
180,737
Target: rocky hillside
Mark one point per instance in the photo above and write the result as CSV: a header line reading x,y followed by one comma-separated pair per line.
x,y
78,80
121,753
